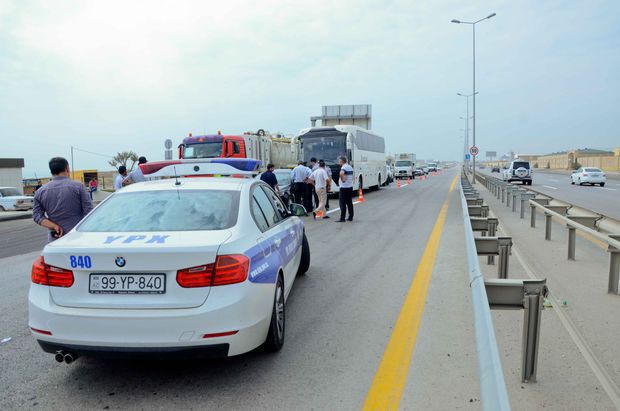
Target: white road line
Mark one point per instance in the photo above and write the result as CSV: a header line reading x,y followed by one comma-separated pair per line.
x,y
338,209
551,187
554,180
610,189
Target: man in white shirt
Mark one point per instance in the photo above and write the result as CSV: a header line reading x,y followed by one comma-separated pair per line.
x,y
299,177
345,194
118,180
136,175
319,178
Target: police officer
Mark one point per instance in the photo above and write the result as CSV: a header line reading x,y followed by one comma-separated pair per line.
x,y
346,189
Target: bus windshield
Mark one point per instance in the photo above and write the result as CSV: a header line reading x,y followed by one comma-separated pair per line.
x,y
325,145
203,150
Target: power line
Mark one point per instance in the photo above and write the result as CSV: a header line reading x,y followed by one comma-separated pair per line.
x,y
92,152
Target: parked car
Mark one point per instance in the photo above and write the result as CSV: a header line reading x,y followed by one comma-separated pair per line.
x,y
283,175
419,171
12,199
588,175
495,169
518,170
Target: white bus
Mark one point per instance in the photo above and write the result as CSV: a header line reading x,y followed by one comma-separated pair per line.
x,y
364,149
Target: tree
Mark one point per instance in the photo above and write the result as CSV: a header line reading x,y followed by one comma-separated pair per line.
x,y
122,158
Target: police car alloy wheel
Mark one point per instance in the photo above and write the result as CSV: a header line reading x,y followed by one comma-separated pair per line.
x,y
275,336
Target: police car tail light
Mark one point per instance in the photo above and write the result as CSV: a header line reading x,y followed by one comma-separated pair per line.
x,y
200,276
231,269
46,274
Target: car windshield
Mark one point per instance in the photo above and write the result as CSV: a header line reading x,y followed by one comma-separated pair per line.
x,y
521,164
403,163
203,150
170,210
9,192
592,170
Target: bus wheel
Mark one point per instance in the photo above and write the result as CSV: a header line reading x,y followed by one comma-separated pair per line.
x,y
379,182
361,185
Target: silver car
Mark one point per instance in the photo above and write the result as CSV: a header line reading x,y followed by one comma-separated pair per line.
x,y
12,199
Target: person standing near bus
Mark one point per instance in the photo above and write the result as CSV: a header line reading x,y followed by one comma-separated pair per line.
x,y
319,179
299,176
345,194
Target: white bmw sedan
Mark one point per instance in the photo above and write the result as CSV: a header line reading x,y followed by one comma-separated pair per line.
x,y
588,175
191,266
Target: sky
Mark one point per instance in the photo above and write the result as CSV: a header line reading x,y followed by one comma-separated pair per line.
x,y
108,76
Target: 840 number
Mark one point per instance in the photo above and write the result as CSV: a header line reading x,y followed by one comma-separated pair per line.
x,y
81,261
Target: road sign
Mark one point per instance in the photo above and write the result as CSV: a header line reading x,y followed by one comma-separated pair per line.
x,y
474,151
491,154
467,156
168,144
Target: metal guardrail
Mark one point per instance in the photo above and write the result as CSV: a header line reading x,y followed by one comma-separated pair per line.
x,y
594,224
493,393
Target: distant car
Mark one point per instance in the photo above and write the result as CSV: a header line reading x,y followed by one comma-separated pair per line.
x,y
495,170
12,199
518,171
419,171
426,170
588,175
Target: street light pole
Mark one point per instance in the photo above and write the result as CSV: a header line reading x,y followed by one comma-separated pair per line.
x,y
467,96
473,25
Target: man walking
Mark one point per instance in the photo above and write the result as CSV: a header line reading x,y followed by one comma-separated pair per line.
x,y
270,178
299,176
346,189
319,179
118,180
60,204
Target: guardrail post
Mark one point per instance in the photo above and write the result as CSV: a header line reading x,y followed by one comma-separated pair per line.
x,y
572,231
492,230
514,199
533,304
503,192
548,222
508,195
504,252
527,295
532,216
614,267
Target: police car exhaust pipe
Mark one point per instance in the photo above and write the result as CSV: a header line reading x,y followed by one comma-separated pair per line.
x,y
59,356
70,357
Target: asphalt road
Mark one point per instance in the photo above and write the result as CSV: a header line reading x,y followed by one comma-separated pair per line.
x,y
21,237
339,320
604,200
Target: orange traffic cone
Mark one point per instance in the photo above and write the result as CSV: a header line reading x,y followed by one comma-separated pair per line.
x,y
408,180
360,196
320,214
398,183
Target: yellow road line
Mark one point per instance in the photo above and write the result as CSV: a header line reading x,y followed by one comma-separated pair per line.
x,y
391,377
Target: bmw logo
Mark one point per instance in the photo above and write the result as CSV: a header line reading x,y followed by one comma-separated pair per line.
x,y
120,262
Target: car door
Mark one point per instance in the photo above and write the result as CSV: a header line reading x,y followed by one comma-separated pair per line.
x,y
274,238
289,238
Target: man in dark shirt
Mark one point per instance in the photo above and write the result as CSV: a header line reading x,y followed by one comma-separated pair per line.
x,y
60,204
270,178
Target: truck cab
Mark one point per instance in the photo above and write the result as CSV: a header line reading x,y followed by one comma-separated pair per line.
x,y
404,169
212,146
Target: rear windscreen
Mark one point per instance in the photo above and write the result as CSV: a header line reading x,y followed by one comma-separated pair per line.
x,y
520,164
593,170
170,210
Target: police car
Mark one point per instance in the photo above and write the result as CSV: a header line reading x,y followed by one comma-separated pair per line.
x,y
176,265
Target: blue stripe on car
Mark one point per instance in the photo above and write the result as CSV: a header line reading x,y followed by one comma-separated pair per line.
x,y
266,259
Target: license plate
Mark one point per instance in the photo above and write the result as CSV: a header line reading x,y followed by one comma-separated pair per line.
x,y
127,284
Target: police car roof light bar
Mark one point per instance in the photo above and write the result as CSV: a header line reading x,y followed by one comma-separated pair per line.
x,y
237,167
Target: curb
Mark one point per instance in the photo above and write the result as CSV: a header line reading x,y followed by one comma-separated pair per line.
x,y
15,217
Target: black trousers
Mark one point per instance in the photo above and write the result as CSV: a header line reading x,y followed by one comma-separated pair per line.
x,y
299,192
346,202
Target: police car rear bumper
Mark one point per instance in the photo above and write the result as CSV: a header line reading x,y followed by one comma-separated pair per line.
x,y
244,309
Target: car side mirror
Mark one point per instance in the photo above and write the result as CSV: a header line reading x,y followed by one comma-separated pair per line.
x,y
298,210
